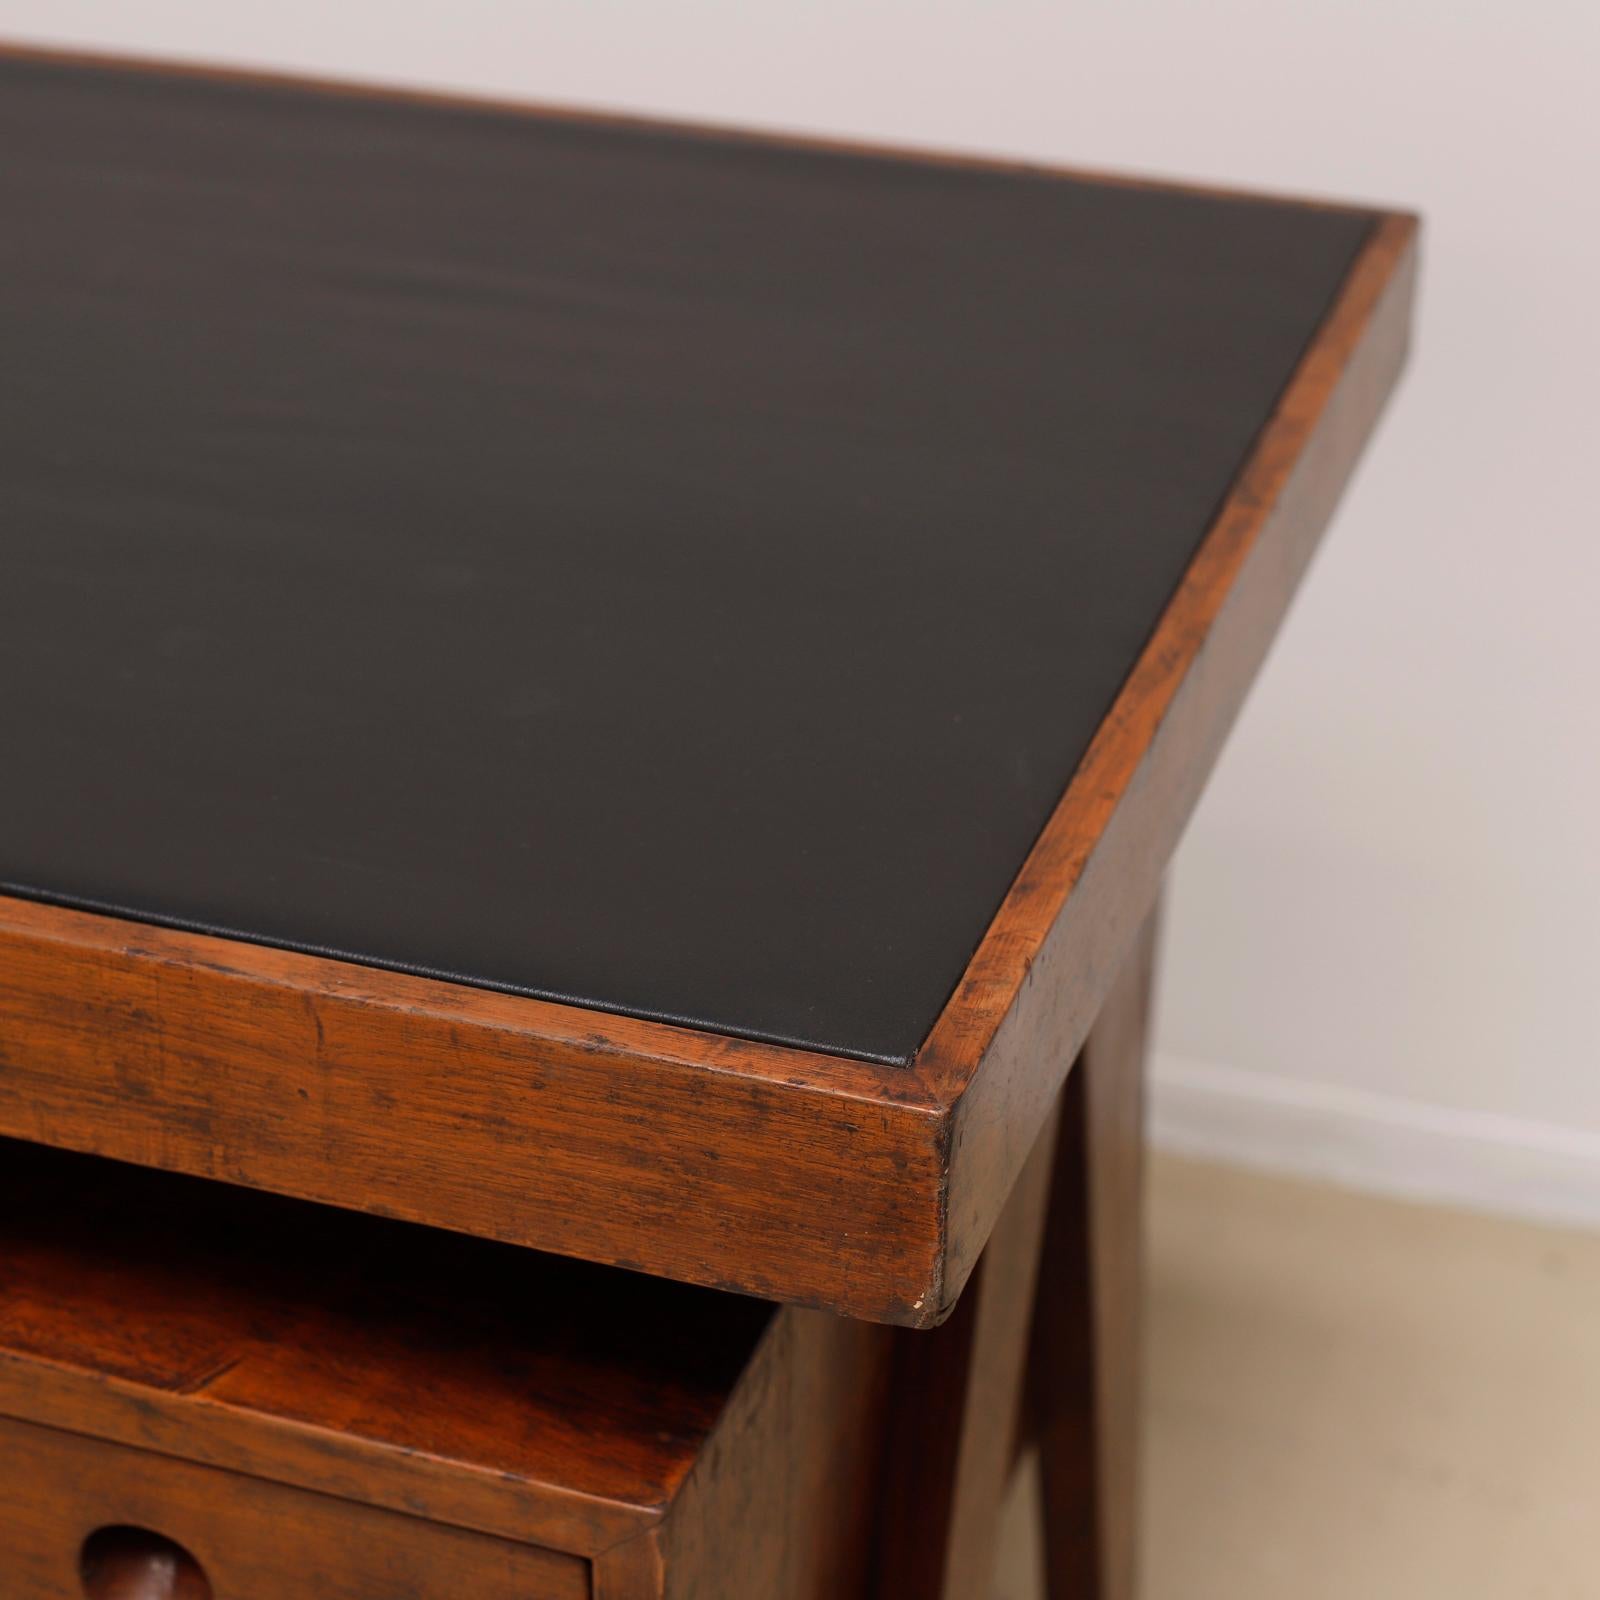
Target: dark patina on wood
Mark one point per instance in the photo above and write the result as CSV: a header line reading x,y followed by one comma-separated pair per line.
x,y
306,1402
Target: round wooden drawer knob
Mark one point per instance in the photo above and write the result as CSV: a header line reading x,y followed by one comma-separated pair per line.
x,y
135,1564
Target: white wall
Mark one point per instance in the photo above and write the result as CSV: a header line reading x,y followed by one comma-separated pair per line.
x,y
1385,928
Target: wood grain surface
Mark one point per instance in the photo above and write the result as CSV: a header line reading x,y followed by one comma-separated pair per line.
x,y
492,1388
961,1397
253,1540
1085,1366
310,1402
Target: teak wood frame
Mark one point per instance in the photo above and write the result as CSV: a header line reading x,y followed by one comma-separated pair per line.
x,y
223,1389
864,1189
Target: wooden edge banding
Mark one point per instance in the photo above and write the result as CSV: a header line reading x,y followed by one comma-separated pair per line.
x,y
694,1156
103,937
1002,1047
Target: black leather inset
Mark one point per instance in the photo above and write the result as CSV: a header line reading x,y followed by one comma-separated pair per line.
x,y
667,573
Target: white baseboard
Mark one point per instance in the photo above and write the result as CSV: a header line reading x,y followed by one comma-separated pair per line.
x,y
1375,1142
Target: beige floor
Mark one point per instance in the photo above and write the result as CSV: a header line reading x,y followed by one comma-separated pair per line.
x,y
1359,1398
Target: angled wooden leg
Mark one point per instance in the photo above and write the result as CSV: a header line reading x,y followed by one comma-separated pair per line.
x,y
1084,1367
1045,1352
959,1391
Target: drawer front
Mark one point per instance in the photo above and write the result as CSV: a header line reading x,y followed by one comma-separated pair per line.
x,y
245,1539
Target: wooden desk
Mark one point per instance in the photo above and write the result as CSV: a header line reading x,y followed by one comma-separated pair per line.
x,y
626,689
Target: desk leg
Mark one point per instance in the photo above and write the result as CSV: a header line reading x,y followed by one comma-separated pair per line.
x,y
959,1392
1084,1368
1042,1348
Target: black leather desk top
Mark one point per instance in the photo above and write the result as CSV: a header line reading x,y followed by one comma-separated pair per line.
x,y
667,573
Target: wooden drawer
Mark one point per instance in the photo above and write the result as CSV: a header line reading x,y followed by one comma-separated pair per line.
x,y
321,1406
252,1540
